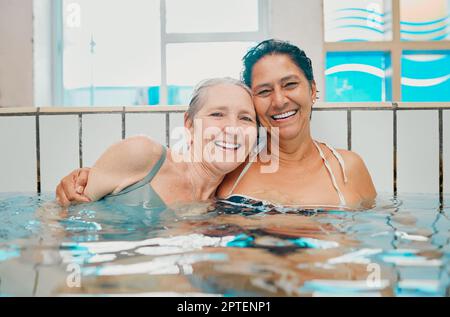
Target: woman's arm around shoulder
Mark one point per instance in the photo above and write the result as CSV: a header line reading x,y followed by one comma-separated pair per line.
x,y
122,165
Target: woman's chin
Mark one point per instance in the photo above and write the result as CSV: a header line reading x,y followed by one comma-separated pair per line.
x,y
289,133
227,167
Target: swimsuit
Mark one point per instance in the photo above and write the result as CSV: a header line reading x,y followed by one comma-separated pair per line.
x,y
141,192
243,199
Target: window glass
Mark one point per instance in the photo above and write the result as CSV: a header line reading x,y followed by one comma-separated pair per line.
x,y
189,63
111,58
211,16
426,76
358,76
357,20
424,20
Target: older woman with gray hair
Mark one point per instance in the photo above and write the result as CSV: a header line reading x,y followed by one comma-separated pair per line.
x,y
138,170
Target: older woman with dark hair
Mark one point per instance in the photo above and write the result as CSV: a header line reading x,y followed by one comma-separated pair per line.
x,y
310,174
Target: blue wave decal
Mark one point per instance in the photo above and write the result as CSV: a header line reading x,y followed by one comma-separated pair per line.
x,y
350,26
437,38
360,18
424,23
362,68
363,10
441,37
423,65
357,76
425,32
414,29
354,40
426,76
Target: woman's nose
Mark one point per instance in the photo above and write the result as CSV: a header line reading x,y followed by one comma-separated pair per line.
x,y
278,98
231,122
232,128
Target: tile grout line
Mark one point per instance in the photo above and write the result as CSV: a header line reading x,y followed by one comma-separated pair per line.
x,y
167,129
349,130
38,152
80,139
394,105
441,159
123,124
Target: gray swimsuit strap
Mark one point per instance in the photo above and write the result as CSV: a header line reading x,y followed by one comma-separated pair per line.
x,y
147,179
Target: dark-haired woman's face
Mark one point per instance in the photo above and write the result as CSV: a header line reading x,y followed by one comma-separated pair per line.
x,y
283,96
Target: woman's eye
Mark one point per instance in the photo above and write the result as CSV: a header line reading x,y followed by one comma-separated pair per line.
x,y
263,93
291,85
247,119
216,114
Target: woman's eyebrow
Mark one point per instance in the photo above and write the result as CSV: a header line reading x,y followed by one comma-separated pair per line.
x,y
290,77
252,114
221,108
266,85
286,78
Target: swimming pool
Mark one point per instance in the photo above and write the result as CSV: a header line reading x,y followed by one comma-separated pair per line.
x,y
399,248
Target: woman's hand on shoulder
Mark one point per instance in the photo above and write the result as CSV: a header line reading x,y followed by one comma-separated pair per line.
x,y
121,165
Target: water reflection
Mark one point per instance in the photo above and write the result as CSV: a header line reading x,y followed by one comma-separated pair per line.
x,y
399,248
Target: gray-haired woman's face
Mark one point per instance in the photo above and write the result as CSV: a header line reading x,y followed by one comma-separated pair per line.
x,y
225,124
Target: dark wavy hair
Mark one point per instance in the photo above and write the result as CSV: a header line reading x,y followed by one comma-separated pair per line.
x,y
276,47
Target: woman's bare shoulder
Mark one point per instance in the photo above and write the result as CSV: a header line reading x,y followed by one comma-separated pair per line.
x,y
352,159
121,165
358,174
141,152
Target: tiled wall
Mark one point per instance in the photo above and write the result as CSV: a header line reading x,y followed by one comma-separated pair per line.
x,y
382,136
18,154
372,139
418,151
446,149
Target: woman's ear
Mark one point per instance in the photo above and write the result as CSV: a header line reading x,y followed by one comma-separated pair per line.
x,y
188,123
313,96
313,91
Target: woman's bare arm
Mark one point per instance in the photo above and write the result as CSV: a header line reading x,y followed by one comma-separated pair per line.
x,y
122,165
359,176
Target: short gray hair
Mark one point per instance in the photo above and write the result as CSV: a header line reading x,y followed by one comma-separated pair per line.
x,y
198,95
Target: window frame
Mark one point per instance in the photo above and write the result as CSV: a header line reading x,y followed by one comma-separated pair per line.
x,y
395,48
166,39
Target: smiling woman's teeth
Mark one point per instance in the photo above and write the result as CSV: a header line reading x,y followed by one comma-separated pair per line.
x,y
284,115
225,145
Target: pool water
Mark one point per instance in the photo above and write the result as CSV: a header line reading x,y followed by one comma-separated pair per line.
x,y
399,248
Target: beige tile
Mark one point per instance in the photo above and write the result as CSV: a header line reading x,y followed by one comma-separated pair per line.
x,y
418,149
59,148
372,139
18,154
330,127
446,150
150,124
99,132
176,129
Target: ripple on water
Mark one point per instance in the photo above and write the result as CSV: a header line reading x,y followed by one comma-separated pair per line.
x,y
225,249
